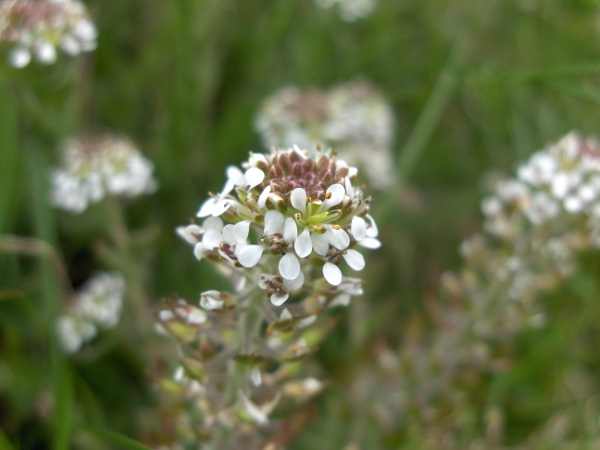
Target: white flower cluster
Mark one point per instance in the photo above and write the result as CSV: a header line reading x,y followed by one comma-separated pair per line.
x,y
305,210
38,27
96,305
350,10
353,116
563,179
95,167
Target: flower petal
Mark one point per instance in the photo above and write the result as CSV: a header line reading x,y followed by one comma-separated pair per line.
x,y
241,230
332,274
359,228
220,207
372,230
262,200
207,208
320,244
189,233
213,224
199,251
290,230
273,222
335,195
338,238
209,300
349,188
298,199
289,266
370,243
354,259
279,299
254,176
295,284
235,176
249,255
303,244
211,239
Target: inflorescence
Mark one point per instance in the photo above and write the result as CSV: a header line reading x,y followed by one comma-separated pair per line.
x,y
37,27
293,218
352,116
94,167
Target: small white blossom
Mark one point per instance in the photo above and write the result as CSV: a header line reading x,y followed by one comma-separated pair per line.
x,y
37,28
95,167
96,305
350,10
352,117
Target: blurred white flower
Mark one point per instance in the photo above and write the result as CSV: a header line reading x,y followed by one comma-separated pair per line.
x,y
98,166
350,10
37,28
353,116
96,305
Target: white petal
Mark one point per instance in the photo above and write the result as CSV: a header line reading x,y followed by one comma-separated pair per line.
x,y
45,52
209,300
235,176
189,233
372,230
220,207
207,208
298,199
273,222
285,314
213,224
349,188
199,251
295,284
332,274
289,266
338,238
250,255
320,243
262,200
19,57
303,244
241,230
335,193
211,239
254,176
354,259
228,234
359,228
370,243
279,299
290,230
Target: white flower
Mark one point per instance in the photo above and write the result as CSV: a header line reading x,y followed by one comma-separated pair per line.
x,y
74,332
95,167
38,27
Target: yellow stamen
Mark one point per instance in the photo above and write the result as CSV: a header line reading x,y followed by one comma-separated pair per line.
x,y
335,227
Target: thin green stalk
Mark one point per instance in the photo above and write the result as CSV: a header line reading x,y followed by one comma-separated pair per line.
x,y
61,376
435,106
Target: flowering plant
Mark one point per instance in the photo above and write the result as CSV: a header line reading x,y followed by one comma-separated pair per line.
x,y
293,218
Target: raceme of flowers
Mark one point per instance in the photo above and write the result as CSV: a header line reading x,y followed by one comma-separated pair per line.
x,y
350,10
284,230
304,209
536,226
96,305
93,167
36,28
353,116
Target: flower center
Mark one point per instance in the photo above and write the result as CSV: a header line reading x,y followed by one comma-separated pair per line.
x,y
290,170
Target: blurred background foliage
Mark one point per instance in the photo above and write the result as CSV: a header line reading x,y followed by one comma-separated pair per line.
x,y
475,86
